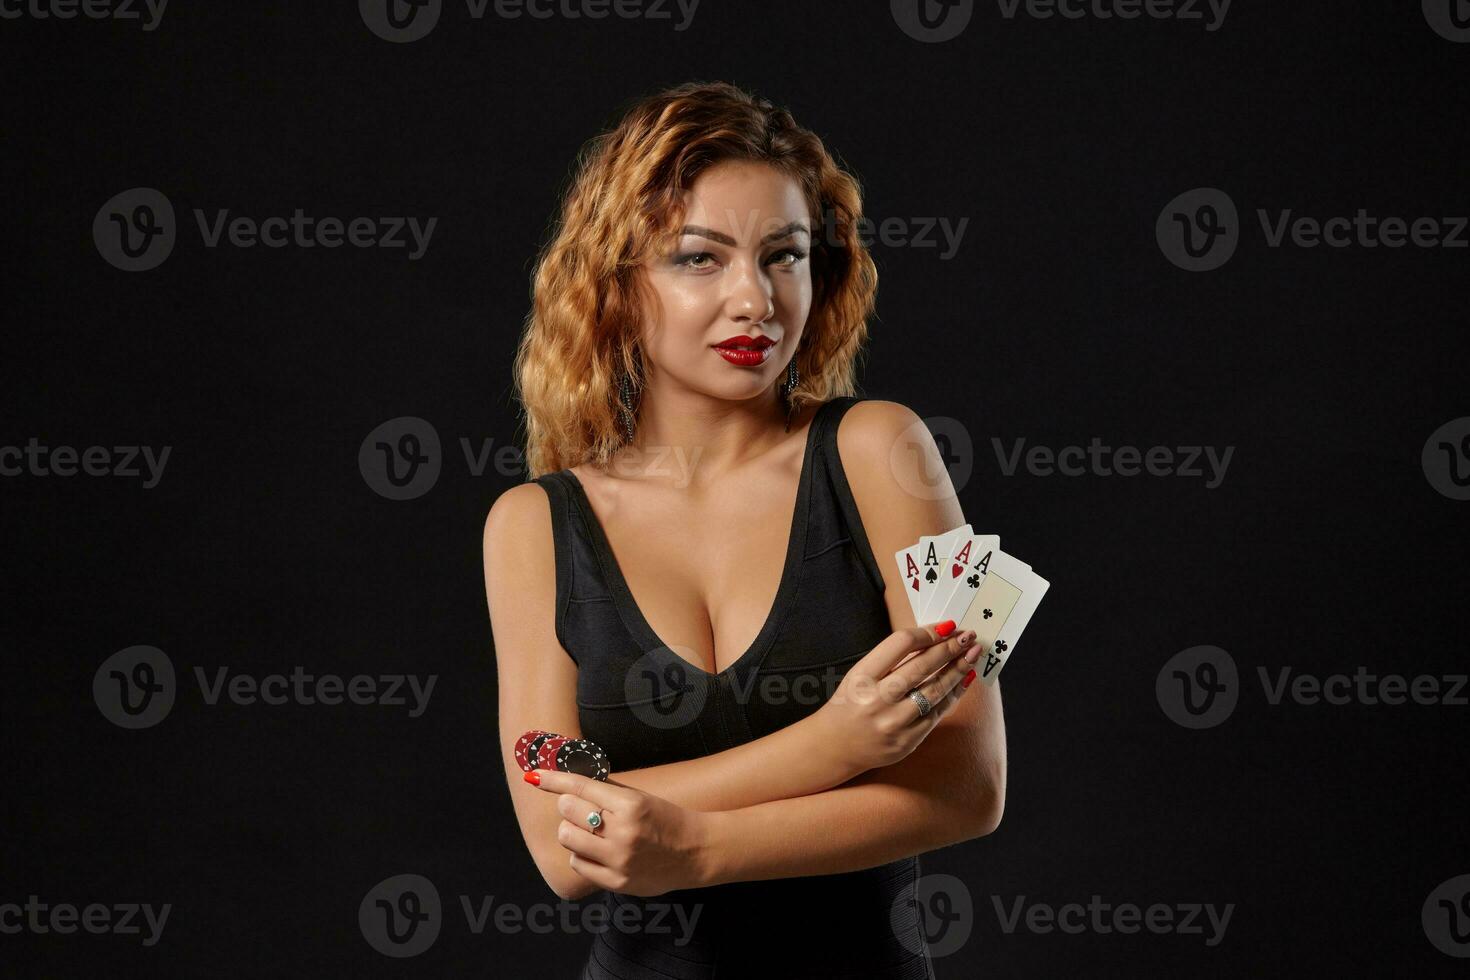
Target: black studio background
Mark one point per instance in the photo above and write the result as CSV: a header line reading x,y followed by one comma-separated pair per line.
x,y
262,546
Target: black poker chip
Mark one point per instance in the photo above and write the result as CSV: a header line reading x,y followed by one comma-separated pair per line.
x,y
582,757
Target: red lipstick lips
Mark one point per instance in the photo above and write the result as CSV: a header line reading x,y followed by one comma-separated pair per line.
x,y
744,351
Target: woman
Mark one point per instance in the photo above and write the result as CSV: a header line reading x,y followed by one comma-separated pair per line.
x,y
692,579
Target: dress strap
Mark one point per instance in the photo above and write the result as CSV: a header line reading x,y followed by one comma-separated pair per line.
x,y
829,418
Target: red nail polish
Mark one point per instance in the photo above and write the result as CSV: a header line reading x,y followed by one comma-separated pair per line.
x,y
534,778
945,628
968,678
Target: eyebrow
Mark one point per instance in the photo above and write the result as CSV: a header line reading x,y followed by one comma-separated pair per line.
x,y
723,239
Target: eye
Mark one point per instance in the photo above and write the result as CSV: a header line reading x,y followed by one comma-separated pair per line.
x,y
796,255
688,260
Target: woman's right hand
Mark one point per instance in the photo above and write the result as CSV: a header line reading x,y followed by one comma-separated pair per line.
x,y
870,721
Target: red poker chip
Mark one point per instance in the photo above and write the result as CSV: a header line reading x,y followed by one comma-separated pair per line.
x,y
582,757
527,746
546,754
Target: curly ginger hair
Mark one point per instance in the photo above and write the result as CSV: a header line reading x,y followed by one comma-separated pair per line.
x,y
625,204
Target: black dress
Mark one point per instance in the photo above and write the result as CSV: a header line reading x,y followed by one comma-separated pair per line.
x,y
648,706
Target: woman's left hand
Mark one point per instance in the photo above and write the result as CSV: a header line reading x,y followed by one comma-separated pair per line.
x,y
645,844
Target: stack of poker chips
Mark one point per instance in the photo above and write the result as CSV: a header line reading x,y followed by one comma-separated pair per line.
x,y
547,750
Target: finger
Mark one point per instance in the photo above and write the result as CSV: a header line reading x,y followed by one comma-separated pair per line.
x,y
575,809
953,697
600,875
945,688
881,660
589,846
594,791
910,675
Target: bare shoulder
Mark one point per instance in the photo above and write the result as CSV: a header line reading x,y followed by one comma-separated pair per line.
x,y
873,424
888,453
518,527
520,576
899,483
891,459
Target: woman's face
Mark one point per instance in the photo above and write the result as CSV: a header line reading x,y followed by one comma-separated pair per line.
x,y
739,268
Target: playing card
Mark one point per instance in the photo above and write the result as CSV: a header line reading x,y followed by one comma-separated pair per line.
x,y
1000,610
908,570
934,551
961,574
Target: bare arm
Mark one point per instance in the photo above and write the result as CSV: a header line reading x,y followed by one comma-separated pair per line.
x,y
881,816
538,690
949,789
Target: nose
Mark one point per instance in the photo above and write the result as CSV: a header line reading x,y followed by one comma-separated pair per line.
x,y
750,296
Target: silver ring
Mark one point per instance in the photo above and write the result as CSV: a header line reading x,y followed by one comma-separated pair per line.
x,y
918,698
594,819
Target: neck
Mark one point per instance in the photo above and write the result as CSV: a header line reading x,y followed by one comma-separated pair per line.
x,y
686,432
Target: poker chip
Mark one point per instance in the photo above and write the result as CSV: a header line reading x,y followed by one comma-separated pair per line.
x,y
538,749
582,757
528,745
546,754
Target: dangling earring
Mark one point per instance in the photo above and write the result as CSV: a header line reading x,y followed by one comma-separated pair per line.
x,y
793,378
625,407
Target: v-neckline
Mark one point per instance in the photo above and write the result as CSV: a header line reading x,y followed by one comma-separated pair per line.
x,y
633,616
